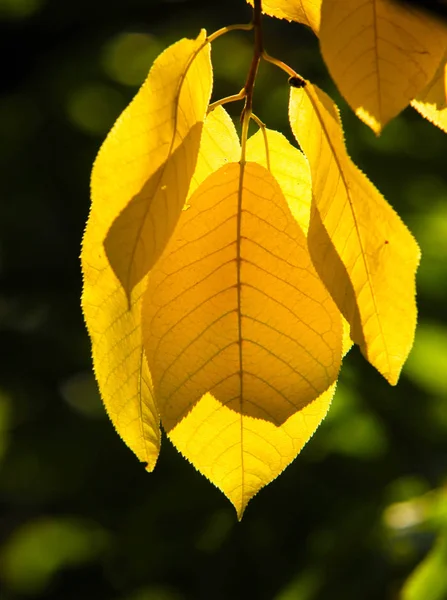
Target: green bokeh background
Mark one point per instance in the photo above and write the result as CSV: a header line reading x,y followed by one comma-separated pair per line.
x,y
360,515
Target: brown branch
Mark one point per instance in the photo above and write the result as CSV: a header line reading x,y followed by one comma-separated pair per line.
x,y
257,55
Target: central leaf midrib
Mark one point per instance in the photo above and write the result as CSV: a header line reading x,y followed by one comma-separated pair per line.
x,y
239,311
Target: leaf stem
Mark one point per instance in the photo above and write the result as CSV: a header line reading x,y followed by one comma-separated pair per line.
x,y
224,30
233,98
279,64
262,127
251,77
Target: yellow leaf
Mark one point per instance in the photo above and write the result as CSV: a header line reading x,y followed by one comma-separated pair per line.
x,y
239,333
363,252
291,170
241,454
115,330
289,167
151,152
432,103
301,11
380,53
219,145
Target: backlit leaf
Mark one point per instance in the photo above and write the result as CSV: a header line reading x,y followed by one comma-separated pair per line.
x,y
156,142
219,145
241,454
115,330
240,333
432,102
289,167
302,11
291,170
380,53
363,252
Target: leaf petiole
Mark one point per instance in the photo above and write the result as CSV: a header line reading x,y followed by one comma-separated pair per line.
x,y
226,100
262,127
278,63
224,30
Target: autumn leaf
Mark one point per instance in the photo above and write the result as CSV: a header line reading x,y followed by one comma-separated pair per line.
x,y
157,141
306,12
115,332
219,145
291,170
362,251
380,53
119,173
432,102
239,333
289,167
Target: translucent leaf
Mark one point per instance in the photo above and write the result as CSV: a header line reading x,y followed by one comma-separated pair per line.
x,y
291,170
289,167
240,333
155,143
301,11
380,53
432,102
115,329
362,251
219,145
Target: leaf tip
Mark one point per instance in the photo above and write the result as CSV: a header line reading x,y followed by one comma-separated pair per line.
x,y
240,505
369,120
393,377
149,466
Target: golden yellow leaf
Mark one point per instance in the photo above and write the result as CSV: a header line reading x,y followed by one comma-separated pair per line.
x,y
115,329
363,252
289,167
291,170
241,454
301,11
240,333
219,145
380,53
432,103
156,142
118,357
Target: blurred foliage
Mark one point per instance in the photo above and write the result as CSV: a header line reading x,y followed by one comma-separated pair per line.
x,y
362,513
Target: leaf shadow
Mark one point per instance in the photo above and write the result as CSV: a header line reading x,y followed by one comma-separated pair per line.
x,y
334,275
275,415
141,231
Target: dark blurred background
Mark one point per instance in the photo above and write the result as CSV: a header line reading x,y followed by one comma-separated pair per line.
x,y
360,515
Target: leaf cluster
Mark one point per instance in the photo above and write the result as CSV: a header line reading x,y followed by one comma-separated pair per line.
x,y
225,278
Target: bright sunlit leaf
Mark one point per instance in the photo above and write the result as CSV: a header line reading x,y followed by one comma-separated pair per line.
x,y
115,330
432,102
291,170
363,252
219,145
114,319
301,11
381,54
117,346
289,167
239,332
155,141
